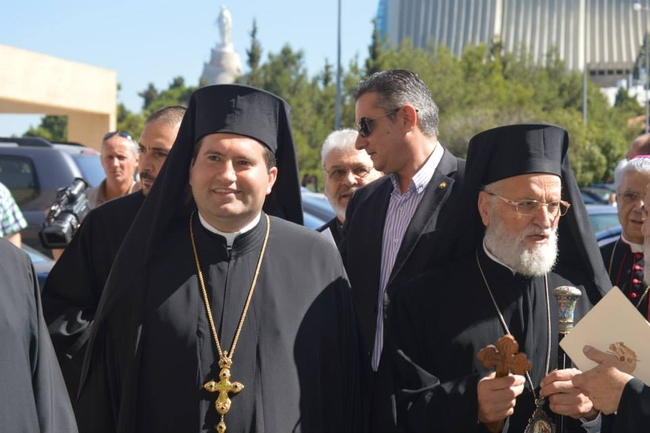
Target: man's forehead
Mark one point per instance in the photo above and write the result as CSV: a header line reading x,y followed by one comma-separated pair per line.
x,y
524,180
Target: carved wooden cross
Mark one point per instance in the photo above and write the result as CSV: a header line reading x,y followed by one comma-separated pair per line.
x,y
504,357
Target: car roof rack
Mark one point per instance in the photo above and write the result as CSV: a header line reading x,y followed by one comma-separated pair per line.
x,y
27,141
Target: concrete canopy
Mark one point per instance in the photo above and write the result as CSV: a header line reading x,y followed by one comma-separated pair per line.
x,y
36,83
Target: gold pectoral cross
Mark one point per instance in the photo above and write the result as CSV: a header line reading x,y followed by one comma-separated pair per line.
x,y
224,386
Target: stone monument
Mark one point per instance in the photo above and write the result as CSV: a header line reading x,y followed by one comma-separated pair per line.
x,y
225,65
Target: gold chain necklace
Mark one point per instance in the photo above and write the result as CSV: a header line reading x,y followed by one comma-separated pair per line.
x,y
225,386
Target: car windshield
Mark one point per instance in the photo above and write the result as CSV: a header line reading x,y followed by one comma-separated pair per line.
x,y
90,167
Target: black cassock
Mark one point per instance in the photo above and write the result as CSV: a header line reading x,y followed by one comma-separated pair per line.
x,y
75,284
297,355
625,269
335,229
436,357
633,413
33,397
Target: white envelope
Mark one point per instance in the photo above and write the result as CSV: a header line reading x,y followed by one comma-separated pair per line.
x,y
614,326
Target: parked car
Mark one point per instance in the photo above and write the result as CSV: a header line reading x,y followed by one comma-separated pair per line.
x,y
34,170
316,209
605,223
602,192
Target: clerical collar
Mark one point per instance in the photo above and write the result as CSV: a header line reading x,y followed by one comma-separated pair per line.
x,y
493,257
230,237
636,248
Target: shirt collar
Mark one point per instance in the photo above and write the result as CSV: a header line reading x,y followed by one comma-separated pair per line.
x,y
230,237
635,248
423,176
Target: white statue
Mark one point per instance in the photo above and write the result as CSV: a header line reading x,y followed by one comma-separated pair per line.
x,y
224,21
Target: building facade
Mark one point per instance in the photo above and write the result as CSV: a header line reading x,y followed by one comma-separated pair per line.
x,y
604,35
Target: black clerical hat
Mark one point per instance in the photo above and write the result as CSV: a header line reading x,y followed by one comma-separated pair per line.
x,y
243,111
257,114
514,150
520,149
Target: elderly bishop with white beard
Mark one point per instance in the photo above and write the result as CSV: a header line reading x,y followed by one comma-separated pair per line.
x,y
522,231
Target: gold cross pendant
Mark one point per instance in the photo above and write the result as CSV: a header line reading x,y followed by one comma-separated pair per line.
x,y
224,386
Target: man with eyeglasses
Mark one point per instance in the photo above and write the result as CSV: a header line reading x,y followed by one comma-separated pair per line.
x,y
345,169
612,390
523,232
624,258
393,225
74,285
119,157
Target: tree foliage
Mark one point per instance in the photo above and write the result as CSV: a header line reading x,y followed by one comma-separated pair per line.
x,y
484,88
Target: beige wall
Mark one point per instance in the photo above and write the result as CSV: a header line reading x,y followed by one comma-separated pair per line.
x,y
36,83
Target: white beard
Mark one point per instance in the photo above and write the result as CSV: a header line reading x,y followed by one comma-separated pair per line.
x,y
534,261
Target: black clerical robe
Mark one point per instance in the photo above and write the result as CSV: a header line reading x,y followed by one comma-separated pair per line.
x,y
335,229
443,318
625,269
297,355
633,413
33,397
74,286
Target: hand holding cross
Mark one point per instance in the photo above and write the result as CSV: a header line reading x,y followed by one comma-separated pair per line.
x,y
504,356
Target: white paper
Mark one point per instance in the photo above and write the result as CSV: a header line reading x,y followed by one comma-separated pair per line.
x,y
614,326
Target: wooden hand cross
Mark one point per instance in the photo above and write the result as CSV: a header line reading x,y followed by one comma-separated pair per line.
x,y
504,357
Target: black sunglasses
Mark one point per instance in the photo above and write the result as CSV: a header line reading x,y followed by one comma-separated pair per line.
x,y
364,127
120,133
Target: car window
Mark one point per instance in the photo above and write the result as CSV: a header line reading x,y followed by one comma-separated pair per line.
x,y
90,167
603,221
18,174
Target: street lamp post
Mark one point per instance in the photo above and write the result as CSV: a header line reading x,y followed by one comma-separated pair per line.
x,y
337,118
638,7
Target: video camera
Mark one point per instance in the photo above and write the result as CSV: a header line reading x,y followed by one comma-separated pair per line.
x,y
65,215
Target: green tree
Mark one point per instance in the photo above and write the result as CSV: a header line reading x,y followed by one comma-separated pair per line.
x,y
150,94
52,128
374,62
253,57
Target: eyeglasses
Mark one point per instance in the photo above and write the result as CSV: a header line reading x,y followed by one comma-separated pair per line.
x,y
531,207
120,133
629,197
364,127
339,173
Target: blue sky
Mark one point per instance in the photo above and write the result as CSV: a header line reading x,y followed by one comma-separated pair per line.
x,y
147,41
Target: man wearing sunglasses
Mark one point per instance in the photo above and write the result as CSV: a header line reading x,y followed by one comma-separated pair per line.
x,y
345,169
75,284
392,225
119,158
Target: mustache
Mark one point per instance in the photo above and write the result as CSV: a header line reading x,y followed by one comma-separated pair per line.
x,y
348,189
148,176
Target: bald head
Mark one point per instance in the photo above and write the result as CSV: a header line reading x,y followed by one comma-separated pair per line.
x,y
640,146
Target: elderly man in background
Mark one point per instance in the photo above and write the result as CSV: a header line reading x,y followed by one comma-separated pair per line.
x,y
608,386
119,158
624,258
346,169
